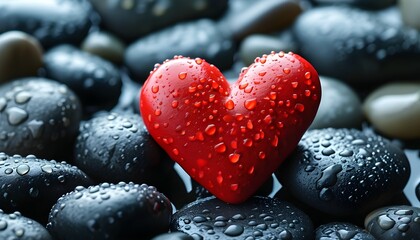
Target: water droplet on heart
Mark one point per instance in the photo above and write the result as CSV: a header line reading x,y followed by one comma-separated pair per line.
x,y
175,151
158,112
210,129
234,157
275,141
175,103
219,179
262,74
248,142
300,107
182,75
248,89
249,124
192,89
251,170
281,54
243,85
286,70
220,147
295,84
212,97
263,60
234,144
267,119
229,104
234,187
250,103
261,155
307,75
155,88
198,61
307,93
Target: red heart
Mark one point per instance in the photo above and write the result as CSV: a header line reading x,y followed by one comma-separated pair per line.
x,y
230,139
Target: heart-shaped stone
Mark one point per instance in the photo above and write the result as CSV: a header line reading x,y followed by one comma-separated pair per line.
x,y
230,139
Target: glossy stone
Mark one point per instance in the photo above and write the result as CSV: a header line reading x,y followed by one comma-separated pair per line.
x,y
341,231
344,172
104,45
110,211
340,106
96,81
40,19
257,218
358,46
32,186
394,109
173,236
256,45
16,226
38,116
394,222
260,17
369,4
201,38
20,55
132,19
410,12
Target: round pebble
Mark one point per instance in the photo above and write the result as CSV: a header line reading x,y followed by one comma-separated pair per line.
x,y
117,147
340,106
344,172
341,231
16,226
104,45
257,218
110,211
394,222
394,109
50,21
38,116
96,81
20,55
410,12
32,186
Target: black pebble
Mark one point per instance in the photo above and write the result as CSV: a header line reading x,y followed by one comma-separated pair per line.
x,y
16,226
117,147
394,223
344,172
341,231
173,236
257,218
38,116
32,186
368,4
96,81
108,211
50,21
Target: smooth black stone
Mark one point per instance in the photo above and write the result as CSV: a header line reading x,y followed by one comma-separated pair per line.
x,y
341,231
38,116
50,21
96,81
344,172
108,211
400,222
133,19
16,226
173,236
368,4
259,217
358,46
201,38
32,186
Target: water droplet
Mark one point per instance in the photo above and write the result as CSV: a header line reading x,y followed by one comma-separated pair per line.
x,y
249,124
16,115
199,219
328,151
198,61
220,147
346,153
286,70
182,75
300,107
307,75
3,104
329,176
158,112
175,103
250,103
155,88
326,194
262,74
234,187
229,104
295,84
275,141
234,230
385,222
210,129
285,235
234,157
33,192
8,170
219,179
3,225
19,232
261,155
22,97
404,212
248,142
243,85
61,178
309,168
358,142
22,169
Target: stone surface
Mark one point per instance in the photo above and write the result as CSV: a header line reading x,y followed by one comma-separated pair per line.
x,y
257,218
358,46
201,38
394,109
20,55
16,226
344,172
340,106
341,231
368,4
104,45
410,12
132,19
394,222
40,19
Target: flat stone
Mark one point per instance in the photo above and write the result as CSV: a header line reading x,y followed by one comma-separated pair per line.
x,y
394,109
340,106
105,45
410,12
20,55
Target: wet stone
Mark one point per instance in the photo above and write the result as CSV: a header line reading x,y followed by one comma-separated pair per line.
x,y
340,106
123,17
96,81
349,185
20,55
367,4
173,236
96,217
16,226
394,222
291,222
365,47
341,231
394,109
104,45
418,191
409,12
40,20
